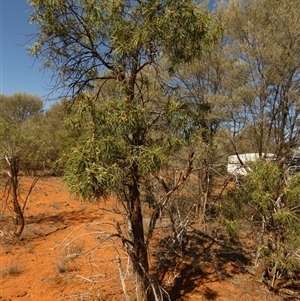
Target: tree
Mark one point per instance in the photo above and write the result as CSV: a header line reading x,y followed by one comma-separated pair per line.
x,y
201,86
261,48
126,139
15,145
18,107
20,136
259,64
17,115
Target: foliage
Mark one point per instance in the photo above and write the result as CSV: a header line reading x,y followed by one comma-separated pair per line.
x,y
142,104
104,37
36,137
53,136
104,148
254,76
18,107
269,206
16,126
126,137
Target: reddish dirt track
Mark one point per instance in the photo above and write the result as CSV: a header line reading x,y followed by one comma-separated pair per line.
x,y
44,264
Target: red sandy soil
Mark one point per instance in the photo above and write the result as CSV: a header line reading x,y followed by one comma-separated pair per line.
x,y
45,263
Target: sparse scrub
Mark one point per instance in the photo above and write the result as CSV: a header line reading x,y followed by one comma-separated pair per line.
x,y
268,206
150,104
66,264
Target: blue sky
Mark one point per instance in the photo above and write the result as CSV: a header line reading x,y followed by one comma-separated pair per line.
x,y
18,71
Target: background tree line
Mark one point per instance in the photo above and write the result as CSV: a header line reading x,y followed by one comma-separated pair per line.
x,y
156,93
35,135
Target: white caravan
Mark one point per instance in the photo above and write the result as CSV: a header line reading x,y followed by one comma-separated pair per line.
x,y
236,168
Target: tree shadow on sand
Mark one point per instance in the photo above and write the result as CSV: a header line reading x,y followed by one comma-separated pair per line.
x,y
201,259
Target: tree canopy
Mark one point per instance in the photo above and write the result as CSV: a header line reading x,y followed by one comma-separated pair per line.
x,y
260,51
87,41
18,107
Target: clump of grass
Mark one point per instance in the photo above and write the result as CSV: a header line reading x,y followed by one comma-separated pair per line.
x,y
8,249
67,262
12,269
62,265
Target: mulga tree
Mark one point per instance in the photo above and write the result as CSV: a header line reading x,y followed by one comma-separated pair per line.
x,y
261,51
128,137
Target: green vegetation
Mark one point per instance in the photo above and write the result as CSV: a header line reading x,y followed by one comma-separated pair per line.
x,y
269,206
126,139
27,132
155,95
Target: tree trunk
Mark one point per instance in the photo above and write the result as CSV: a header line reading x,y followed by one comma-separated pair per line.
x,y
203,190
19,217
140,252
19,221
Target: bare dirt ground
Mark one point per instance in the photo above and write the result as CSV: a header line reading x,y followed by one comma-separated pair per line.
x,y
66,254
